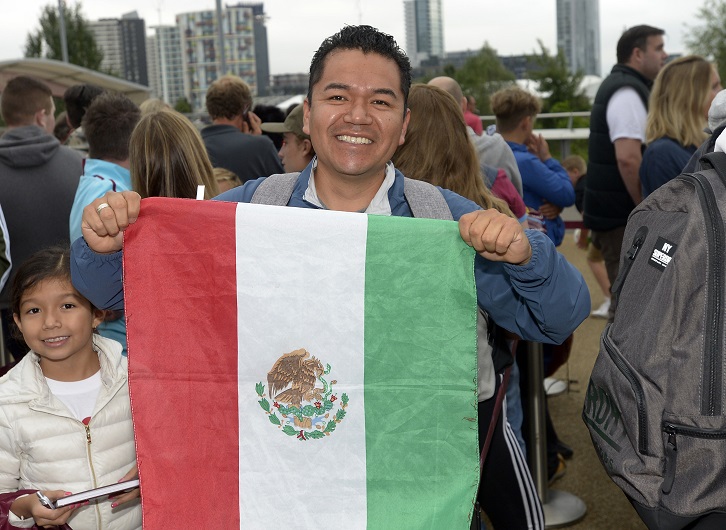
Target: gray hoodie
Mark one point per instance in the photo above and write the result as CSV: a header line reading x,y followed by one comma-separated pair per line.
x,y
38,181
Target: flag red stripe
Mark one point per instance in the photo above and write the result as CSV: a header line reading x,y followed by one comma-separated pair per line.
x,y
186,425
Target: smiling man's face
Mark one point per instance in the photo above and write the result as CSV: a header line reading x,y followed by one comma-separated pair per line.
x,y
356,118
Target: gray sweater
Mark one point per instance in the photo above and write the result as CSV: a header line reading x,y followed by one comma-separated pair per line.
x,y
38,181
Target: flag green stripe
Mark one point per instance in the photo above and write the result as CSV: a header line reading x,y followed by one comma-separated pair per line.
x,y
421,437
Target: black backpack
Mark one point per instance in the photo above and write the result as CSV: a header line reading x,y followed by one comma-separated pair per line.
x,y
656,403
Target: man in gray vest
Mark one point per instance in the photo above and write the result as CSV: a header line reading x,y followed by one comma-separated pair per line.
x,y
617,136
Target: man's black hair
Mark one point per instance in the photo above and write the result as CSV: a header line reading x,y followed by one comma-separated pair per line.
x,y
108,124
635,37
77,99
369,40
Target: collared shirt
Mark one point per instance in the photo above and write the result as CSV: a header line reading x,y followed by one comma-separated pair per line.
x,y
248,156
380,205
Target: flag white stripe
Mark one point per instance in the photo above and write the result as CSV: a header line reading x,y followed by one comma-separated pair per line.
x,y
289,298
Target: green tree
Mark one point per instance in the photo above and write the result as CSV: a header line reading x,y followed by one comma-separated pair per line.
x,y
564,94
182,105
555,79
46,42
482,75
709,38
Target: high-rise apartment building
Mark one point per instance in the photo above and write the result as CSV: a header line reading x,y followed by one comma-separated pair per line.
x,y
245,49
133,48
578,34
262,55
424,30
108,38
164,58
123,42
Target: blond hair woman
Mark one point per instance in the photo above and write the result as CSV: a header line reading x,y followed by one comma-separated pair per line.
x,y
677,114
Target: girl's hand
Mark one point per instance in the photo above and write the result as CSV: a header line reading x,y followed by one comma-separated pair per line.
x,y
129,495
30,506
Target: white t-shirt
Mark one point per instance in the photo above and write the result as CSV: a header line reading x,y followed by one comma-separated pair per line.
x,y
626,115
79,396
720,145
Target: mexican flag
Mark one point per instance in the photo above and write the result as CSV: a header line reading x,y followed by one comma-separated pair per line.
x,y
295,368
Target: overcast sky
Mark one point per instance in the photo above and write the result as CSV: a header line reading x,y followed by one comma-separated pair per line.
x,y
296,27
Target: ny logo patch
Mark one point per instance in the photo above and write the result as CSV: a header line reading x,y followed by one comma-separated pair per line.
x,y
662,254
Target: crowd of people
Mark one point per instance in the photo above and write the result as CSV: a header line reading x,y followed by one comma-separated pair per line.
x,y
363,130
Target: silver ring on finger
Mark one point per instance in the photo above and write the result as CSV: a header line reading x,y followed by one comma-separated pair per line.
x,y
101,207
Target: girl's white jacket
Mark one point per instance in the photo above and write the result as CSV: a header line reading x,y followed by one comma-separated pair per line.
x,y
42,446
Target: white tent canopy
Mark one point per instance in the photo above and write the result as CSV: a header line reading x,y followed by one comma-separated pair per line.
x,y
588,86
293,100
59,76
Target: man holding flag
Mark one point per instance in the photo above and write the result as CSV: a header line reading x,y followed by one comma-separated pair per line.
x,y
356,115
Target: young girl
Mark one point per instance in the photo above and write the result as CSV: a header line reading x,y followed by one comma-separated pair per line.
x,y
65,416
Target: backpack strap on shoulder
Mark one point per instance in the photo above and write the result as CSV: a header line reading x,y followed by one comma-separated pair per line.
x,y
715,161
275,190
426,200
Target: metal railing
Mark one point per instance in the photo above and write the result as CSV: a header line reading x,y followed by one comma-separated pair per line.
x,y
565,135
488,119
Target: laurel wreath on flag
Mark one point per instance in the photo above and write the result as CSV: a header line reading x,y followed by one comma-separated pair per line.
x,y
314,410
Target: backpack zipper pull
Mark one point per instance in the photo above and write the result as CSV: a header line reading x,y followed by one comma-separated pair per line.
x,y
671,453
636,245
633,250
